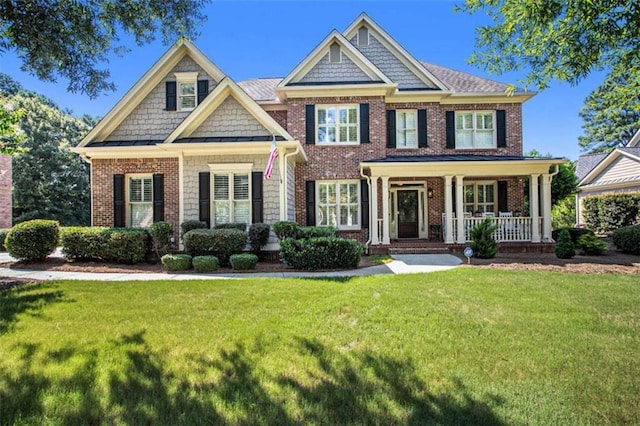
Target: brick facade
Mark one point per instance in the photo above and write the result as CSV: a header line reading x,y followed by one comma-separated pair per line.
x,y
5,191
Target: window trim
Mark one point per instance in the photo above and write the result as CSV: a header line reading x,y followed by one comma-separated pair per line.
x,y
474,130
186,78
358,203
230,169
475,203
414,112
128,202
337,126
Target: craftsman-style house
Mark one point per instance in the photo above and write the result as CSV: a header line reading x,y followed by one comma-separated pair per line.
x,y
370,140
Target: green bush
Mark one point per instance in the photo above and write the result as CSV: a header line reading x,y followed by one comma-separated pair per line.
x,y
627,239
221,243
316,231
3,235
161,232
239,226
574,233
606,213
190,225
258,236
205,263
590,245
286,229
564,247
244,261
483,244
82,243
126,245
321,253
33,240
176,262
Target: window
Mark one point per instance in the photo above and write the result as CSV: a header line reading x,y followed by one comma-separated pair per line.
x,y
475,129
338,204
335,55
337,124
231,198
363,36
187,90
140,201
479,197
406,135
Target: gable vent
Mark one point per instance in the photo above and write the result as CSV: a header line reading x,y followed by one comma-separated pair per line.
x,y
334,53
363,36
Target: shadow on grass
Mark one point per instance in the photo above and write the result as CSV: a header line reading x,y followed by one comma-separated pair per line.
x,y
135,386
28,298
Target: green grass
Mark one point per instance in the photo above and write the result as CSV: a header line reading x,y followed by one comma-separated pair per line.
x,y
458,347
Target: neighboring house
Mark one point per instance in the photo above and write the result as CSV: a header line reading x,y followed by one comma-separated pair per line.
x,y
615,172
370,140
5,191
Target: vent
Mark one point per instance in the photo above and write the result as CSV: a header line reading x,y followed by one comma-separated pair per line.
x,y
363,36
334,53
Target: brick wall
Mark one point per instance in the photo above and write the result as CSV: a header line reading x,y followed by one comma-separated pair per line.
x,y
5,191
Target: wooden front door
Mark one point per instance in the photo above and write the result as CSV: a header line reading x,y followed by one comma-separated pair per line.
x,y
408,214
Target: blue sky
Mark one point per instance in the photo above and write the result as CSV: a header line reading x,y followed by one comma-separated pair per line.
x,y
250,39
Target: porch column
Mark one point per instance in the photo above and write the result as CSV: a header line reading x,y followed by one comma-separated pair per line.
x,y
546,207
448,211
373,226
385,210
533,206
460,209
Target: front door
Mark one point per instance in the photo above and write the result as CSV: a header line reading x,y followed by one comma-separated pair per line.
x,y
408,214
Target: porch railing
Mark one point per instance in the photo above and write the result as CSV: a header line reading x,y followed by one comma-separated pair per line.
x,y
508,228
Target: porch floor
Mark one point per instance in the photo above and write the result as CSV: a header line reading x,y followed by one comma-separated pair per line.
x,y
416,246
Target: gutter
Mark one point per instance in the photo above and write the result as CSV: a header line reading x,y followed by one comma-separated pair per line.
x,y
368,178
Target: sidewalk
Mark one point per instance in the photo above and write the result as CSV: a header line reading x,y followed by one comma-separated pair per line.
x,y
401,264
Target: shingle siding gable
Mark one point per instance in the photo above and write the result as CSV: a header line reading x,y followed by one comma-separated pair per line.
x,y
230,119
327,72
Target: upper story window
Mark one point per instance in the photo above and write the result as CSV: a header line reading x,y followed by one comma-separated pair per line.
x,y
140,201
187,90
406,131
338,204
475,129
337,124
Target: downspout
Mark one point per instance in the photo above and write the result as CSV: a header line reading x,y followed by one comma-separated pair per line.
x,y
368,178
286,178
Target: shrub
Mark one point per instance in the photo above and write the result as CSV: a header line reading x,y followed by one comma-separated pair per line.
x,y
606,213
205,263
285,229
161,232
574,233
126,245
176,262
221,243
316,231
3,235
239,226
82,243
590,245
321,253
258,236
564,247
627,239
244,261
190,225
33,240
483,244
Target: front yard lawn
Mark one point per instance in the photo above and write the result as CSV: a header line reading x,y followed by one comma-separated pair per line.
x,y
466,346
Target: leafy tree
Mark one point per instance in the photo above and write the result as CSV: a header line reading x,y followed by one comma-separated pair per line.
x,y
564,183
11,136
563,213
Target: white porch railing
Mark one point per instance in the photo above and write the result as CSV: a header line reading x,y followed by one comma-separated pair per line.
x,y
509,228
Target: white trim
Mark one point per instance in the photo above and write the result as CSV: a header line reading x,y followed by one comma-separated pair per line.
x,y
337,125
230,173
602,165
231,167
336,183
474,129
128,202
414,112
475,203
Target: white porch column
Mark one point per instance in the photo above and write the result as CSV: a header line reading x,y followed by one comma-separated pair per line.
x,y
533,207
460,209
373,226
448,211
385,210
546,207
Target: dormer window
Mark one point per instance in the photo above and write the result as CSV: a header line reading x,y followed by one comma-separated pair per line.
x,y
363,36
187,90
335,55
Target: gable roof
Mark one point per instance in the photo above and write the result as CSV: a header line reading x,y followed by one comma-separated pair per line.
x,y
147,82
588,162
629,152
635,140
462,82
261,89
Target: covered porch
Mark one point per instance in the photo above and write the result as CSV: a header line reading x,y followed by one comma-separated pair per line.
x,y
441,198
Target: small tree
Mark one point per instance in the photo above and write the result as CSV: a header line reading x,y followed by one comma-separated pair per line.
x,y
564,246
484,245
161,232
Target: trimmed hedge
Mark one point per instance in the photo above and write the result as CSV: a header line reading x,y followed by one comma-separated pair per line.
x,y
119,245
161,232
205,263
244,261
627,239
221,243
3,235
190,225
317,232
606,213
239,226
574,233
321,253
176,262
258,236
83,243
285,229
33,240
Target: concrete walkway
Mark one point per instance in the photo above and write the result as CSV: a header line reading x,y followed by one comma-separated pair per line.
x,y
401,264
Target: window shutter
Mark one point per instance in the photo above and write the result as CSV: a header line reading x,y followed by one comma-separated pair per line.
x,y
422,128
311,202
453,198
364,203
256,197
364,123
158,197
391,128
171,96
205,198
310,124
501,128
203,90
502,196
451,129
118,202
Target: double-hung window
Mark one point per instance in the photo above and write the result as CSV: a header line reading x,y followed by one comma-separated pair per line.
x,y
140,201
406,132
187,90
480,197
231,193
337,124
475,130
338,204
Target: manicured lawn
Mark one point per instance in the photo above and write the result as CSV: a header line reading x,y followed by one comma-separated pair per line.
x,y
459,347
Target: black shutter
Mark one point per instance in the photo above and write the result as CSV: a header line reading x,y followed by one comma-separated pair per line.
x,y
502,196
171,98
311,202
422,128
391,128
158,197
451,129
310,116
453,197
204,198
203,90
501,128
364,123
118,202
364,203
256,197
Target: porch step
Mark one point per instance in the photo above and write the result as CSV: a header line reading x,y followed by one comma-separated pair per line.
x,y
418,250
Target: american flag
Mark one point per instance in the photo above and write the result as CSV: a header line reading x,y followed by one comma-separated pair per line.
x,y
273,154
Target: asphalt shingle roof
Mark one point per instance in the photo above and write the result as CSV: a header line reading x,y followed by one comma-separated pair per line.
x,y
588,162
261,89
